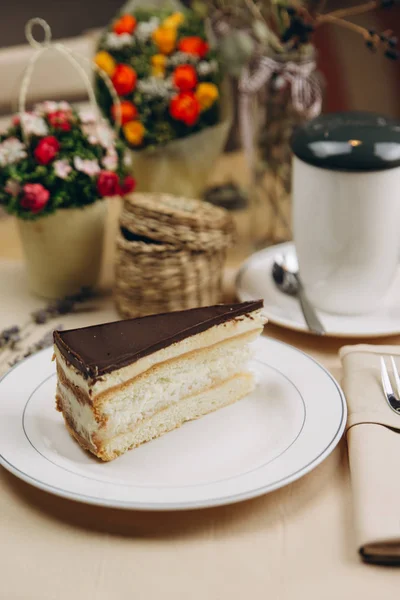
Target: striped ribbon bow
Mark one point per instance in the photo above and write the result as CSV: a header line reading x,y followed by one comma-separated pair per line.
x,y
305,89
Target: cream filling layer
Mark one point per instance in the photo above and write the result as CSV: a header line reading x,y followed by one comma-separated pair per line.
x,y
81,415
168,385
239,326
153,391
175,415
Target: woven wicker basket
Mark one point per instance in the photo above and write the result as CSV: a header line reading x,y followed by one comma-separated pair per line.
x,y
170,254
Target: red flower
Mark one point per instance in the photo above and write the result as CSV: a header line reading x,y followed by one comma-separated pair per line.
x,y
124,79
60,119
128,112
46,149
194,45
185,78
108,184
127,186
185,107
35,197
125,24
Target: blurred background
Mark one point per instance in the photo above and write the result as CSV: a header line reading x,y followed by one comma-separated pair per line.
x,y
356,78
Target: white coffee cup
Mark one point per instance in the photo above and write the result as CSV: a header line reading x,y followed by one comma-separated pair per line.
x,y
346,210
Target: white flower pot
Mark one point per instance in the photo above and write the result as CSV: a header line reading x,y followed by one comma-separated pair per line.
x,y
63,251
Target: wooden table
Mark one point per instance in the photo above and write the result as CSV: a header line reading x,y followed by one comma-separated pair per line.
x,y
294,543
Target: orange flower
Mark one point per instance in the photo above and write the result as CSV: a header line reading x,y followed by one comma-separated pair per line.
x,y
125,24
165,39
185,77
158,65
134,132
174,20
206,94
124,79
185,107
194,45
105,62
128,112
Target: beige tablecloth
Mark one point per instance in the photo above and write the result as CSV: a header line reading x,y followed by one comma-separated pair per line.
x,y
295,543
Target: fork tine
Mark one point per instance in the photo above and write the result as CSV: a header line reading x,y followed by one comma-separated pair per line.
x,y
396,376
387,386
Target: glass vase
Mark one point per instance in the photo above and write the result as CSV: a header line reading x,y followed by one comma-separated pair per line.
x,y
276,118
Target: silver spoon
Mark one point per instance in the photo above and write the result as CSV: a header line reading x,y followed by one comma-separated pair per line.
x,y
285,273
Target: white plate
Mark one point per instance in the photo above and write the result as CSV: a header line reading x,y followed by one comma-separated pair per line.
x,y
254,281
272,437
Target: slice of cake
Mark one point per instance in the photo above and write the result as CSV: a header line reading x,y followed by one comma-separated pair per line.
x,y
122,384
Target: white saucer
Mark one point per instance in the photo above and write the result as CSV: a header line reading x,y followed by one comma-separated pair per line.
x,y
254,280
287,426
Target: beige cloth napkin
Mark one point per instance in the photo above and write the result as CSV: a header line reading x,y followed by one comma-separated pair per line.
x,y
373,437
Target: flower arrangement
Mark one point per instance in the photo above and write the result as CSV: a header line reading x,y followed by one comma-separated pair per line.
x,y
56,157
165,73
245,29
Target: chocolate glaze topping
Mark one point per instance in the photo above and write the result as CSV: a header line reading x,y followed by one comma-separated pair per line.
x,y
100,349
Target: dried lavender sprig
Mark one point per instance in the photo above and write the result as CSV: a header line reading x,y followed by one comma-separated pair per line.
x,y
383,40
61,306
45,342
389,3
11,336
302,24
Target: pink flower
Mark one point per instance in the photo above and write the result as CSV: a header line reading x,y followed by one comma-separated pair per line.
x,y
65,106
99,133
12,151
35,197
110,161
49,106
87,115
89,129
89,167
62,168
34,125
106,135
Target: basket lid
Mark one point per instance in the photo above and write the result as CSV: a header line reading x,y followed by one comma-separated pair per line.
x,y
177,220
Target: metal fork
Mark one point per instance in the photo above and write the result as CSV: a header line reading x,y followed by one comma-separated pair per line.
x,y
392,400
